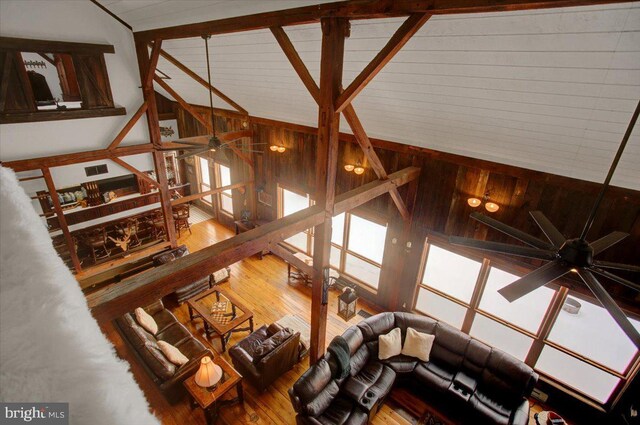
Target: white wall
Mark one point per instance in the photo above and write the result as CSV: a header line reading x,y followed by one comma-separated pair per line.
x,y
75,21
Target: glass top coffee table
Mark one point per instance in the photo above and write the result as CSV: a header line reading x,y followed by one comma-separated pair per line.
x,y
221,312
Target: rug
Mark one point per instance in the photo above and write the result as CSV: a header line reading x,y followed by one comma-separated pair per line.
x,y
52,349
298,324
197,215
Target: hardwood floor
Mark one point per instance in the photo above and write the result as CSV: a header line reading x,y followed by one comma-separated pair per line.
x,y
263,286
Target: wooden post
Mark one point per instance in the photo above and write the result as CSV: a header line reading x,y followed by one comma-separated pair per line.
x,y
331,61
61,219
147,70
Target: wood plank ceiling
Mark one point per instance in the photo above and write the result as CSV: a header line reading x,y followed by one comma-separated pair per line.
x,y
548,90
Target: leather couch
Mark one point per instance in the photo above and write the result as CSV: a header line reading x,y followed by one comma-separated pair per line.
x,y
165,374
474,382
192,289
260,369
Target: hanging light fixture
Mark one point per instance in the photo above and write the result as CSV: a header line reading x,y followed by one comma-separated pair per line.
x,y
214,142
277,148
488,205
357,168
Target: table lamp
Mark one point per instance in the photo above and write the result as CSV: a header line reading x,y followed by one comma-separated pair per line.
x,y
209,374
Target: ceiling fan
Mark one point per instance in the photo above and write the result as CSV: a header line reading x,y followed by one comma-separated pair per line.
x,y
565,255
212,142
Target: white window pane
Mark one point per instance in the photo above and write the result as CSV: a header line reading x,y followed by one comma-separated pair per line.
x,y
334,258
500,336
451,273
526,312
337,232
440,308
367,238
361,270
227,203
577,374
594,334
204,171
299,241
225,177
292,202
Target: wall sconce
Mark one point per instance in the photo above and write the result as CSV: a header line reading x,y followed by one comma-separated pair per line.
x,y
357,168
488,205
279,149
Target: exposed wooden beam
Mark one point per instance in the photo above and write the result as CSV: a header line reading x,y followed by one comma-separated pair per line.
x,y
355,9
297,63
289,257
204,121
147,287
202,81
76,157
153,63
50,46
393,46
53,193
128,126
135,171
331,61
363,140
6,73
200,195
349,113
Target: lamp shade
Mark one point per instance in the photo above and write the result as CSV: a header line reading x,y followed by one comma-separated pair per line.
x,y
349,167
281,149
273,148
491,206
209,373
358,170
474,202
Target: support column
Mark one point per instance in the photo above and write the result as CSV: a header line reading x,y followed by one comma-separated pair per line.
x,y
147,67
331,60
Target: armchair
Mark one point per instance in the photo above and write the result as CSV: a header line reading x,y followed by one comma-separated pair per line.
x,y
262,371
192,289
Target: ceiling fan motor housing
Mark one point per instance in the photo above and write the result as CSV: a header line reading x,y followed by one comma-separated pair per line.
x,y
576,252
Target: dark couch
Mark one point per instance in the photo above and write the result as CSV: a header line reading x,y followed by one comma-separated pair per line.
x,y
165,374
262,370
477,383
194,288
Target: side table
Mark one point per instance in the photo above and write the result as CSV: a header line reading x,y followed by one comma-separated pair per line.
x,y
212,400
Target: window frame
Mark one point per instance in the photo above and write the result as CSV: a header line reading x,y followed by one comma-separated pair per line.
x,y
201,183
218,182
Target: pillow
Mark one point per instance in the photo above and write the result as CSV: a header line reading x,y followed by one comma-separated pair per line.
x,y
174,355
146,321
390,345
418,344
270,344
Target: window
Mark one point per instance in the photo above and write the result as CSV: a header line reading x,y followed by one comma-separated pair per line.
x,y
357,244
204,179
225,198
288,203
584,352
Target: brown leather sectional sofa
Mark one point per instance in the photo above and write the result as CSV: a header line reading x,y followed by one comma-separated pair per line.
x,y
476,383
165,374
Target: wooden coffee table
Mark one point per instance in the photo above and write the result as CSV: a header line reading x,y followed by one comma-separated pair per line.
x,y
211,400
224,320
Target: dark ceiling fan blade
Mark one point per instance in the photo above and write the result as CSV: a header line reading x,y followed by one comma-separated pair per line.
x,y
192,153
511,231
195,140
549,230
607,241
610,305
532,281
617,266
503,248
616,278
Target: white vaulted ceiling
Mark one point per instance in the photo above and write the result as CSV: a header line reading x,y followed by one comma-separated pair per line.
x,y
549,90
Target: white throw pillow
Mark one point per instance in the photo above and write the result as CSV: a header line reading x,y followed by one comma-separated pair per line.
x,y
174,355
390,345
418,344
146,321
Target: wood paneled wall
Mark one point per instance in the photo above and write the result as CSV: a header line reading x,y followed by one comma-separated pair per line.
x,y
446,181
